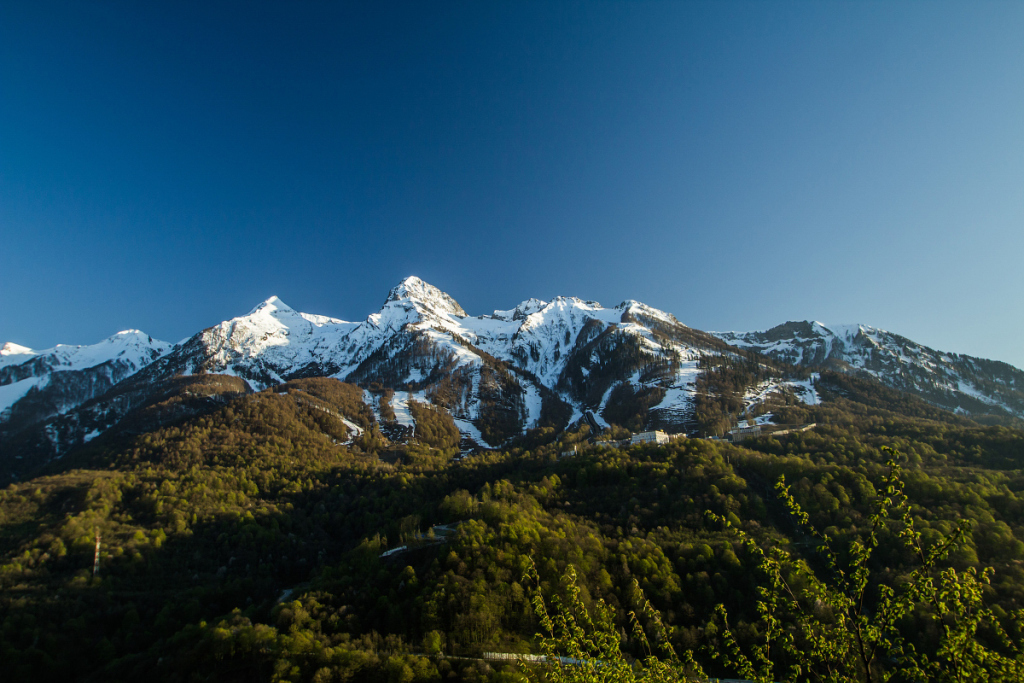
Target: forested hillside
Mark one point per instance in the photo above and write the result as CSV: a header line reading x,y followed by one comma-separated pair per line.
x,y
281,535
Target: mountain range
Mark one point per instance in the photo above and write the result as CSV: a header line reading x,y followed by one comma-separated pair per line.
x,y
540,365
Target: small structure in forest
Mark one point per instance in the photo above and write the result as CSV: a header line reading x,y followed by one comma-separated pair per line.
x,y
750,431
656,436
743,433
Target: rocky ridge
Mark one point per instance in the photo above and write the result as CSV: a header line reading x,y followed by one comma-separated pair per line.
x,y
960,383
539,365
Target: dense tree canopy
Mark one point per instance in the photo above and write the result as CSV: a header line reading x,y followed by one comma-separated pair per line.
x,y
264,540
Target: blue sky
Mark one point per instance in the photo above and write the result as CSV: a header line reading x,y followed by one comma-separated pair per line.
x,y
166,166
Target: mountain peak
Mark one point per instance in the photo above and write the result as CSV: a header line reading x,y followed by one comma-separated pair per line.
x,y
415,289
128,334
521,311
12,349
271,305
15,354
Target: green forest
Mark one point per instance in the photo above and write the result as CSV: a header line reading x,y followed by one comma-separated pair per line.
x,y
265,540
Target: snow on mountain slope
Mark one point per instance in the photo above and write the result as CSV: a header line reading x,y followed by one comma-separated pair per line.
x,y
961,383
263,347
132,347
419,333
543,363
537,334
502,373
13,354
539,364
14,392
37,384
273,342
425,296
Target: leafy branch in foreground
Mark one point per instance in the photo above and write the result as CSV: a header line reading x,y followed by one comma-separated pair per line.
x,y
836,627
840,628
584,647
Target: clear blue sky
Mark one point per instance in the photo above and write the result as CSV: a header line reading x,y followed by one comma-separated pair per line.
x,y
166,166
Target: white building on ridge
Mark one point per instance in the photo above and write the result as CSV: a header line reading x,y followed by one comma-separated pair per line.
x,y
649,437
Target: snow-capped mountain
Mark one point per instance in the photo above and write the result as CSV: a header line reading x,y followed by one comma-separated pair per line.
x,y
423,341
964,384
541,364
35,385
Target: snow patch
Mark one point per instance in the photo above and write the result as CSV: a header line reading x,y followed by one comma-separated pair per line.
x,y
15,354
133,347
400,404
356,430
805,390
12,393
468,429
533,403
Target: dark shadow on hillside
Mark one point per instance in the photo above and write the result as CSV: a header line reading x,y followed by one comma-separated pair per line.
x,y
66,625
